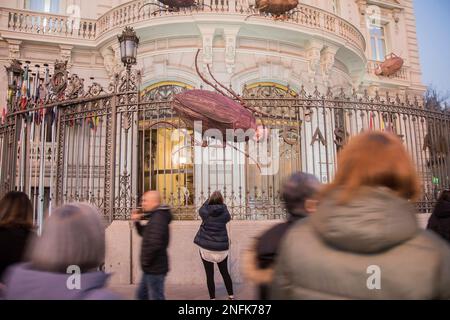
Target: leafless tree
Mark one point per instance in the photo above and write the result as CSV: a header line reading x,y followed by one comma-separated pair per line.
x,y
436,101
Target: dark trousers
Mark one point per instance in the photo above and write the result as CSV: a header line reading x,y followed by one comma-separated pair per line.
x,y
151,287
223,268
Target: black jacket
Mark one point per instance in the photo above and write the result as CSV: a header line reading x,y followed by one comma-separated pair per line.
x,y
267,248
13,242
155,240
440,220
213,234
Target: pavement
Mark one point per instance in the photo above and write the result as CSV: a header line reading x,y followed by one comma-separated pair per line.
x,y
191,292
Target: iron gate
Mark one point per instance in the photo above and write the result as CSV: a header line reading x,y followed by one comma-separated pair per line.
x,y
107,146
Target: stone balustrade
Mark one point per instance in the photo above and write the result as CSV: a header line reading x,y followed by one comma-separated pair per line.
x,y
28,22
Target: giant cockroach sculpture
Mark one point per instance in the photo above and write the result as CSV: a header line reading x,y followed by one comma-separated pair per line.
x,y
277,8
173,5
216,110
391,65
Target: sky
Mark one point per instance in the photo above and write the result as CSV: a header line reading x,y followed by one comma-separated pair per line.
x,y
433,32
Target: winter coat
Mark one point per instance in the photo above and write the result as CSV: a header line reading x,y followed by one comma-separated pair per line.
x,y
155,240
369,248
24,283
258,263
13,242
213,234
440,220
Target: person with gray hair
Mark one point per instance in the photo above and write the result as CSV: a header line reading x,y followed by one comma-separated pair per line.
x,y
298,194
64,261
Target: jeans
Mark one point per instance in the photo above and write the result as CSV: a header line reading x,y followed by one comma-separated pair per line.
x,y
151,287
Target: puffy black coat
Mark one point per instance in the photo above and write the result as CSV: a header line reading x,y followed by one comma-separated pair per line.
x,y
440,220
213,234
13,242
155,240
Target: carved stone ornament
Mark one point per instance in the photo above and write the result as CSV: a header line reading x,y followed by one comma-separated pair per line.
x,y
59,79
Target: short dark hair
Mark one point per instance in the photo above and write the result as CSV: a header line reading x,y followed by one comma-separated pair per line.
x,y
445,195
298,188
16,210
215,198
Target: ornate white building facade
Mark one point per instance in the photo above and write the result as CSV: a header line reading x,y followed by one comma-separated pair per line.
x,y
335,44
312,70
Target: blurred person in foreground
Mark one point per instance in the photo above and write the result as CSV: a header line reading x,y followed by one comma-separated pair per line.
x,y
298,194
364,241
64,260
155,240
16,228
440,218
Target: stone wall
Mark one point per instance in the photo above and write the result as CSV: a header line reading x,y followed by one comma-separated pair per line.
x,y
123,248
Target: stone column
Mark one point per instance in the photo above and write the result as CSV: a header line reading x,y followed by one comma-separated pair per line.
x,y
230,35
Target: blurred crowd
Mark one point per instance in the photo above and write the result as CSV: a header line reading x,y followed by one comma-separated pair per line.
x,y
355,238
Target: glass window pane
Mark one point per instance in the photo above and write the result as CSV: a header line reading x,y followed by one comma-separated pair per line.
x,y
36,5
381,49
51,6
376,31
374,48
54,6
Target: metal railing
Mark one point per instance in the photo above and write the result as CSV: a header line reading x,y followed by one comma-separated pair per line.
x,y
107,146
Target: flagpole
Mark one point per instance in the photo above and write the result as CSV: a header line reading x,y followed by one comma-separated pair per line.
x,y
53,123
41,178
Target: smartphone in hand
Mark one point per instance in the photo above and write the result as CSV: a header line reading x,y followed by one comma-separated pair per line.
x,y
137,214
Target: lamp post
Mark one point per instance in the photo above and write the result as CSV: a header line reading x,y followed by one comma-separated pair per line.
x,y
129,43
15,73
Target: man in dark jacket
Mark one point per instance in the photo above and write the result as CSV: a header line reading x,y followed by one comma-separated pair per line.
x,y
440,219
155,240
298,194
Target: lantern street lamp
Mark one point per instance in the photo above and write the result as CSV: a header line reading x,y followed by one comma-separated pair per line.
x,y
128,47
14,72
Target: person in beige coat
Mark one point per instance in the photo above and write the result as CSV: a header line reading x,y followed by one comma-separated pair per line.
x,y
364,242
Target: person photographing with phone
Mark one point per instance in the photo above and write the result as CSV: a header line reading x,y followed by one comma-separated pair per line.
x,y
155,240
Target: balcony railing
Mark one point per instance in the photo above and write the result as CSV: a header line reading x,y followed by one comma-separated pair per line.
x,y
402,74
129,13
49,24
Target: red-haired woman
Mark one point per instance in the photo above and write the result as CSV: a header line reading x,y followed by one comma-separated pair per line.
x,y
364,241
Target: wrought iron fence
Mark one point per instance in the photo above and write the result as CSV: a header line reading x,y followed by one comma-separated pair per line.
x,y
107,146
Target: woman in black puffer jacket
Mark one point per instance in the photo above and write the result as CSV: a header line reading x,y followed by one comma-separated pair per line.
x,y
440,219
212,238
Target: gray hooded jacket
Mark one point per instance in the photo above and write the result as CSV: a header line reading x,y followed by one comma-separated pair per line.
x,y
337,253
24,283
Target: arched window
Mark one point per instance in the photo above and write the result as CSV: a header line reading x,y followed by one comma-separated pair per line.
x,y
164,150
267,90
164,91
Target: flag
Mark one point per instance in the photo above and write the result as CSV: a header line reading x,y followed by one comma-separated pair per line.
x,y
4,115
23,96
92,122
24,90
371,121
37,117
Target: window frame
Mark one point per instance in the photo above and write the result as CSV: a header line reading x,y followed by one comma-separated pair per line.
x,y
375,41
61,6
